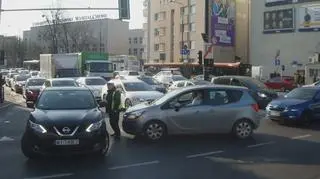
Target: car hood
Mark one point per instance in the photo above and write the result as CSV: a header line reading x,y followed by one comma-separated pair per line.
x,y
286,102
145,95
57,117
96,87
138,107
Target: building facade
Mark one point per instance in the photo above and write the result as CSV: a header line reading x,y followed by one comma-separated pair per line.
x,y
135,40
173,25
100,35
285,34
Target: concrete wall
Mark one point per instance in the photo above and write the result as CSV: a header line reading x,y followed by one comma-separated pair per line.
x,y
296,46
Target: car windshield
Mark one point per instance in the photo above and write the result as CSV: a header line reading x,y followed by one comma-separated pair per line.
x,y
302,93
22,78
63,83
149,81
95,81
133,73
255,83
178,78
35,82
137,86
201,82
166,97
66,100
101,67
35,73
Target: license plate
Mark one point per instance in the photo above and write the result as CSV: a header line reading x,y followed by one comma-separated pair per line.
x,y
274,113
67,142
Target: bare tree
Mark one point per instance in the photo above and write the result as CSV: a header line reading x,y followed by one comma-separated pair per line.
x,y
80,35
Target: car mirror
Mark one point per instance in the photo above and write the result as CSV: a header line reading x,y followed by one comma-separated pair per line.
x,y
177,106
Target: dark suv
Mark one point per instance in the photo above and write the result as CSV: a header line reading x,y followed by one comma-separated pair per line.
x,y
258,90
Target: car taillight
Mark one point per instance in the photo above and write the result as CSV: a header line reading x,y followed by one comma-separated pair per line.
x,y
255,107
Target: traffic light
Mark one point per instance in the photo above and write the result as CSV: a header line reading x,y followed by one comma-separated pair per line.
x,y
283,67
124,9
2,57
200,57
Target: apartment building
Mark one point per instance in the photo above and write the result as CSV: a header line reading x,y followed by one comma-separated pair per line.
x,y
136,46
171,25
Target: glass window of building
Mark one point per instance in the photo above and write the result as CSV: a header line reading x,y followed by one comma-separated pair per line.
x,y
156,47
135,41
129,40
140,40
130,51
193,9
193,27
135,51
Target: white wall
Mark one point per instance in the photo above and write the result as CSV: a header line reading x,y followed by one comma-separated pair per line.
x,y
296,46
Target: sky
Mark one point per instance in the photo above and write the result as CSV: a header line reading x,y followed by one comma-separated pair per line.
x,y
13,23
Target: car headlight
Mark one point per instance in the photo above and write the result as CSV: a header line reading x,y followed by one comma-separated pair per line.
x,y
94,126
290,110
262,95
135,115
37,127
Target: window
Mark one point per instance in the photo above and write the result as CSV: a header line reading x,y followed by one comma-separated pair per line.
x,y
185,28
130,52
236,82
189,84
221,81
95,81
135,41
137,86
193,9
180,84
47,83
129,40
162,31
193,27
35,82
156,16
156,32
222,97
156,47
63,83
135,51
141,51
162,47
141,40
193,45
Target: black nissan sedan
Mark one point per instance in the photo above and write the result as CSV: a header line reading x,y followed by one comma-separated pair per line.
x,y
65,120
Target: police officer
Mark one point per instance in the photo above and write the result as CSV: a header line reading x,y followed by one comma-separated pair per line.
x,y
113,108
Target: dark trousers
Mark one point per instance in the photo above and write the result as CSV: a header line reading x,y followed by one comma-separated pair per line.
x,y
114,122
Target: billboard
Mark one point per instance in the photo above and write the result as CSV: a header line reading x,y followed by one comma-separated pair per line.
x,y
309,18
223,18
281,20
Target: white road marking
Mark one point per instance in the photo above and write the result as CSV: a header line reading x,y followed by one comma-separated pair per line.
x,y
6,122
52,176
134,165
6,105
301,136
6,139
261,144
204,154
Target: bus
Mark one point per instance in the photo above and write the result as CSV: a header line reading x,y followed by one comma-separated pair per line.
x,y
33,65
189,69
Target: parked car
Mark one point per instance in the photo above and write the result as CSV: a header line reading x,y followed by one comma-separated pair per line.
x,y
185,83
31,90
34,74
95,84
59,82
258,90
23,72
66,120
153,83
133,91
18,83
198,77
223,109
128,73
299,105
284,83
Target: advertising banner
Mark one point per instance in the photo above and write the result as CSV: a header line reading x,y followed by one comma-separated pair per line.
x,y
223,17
279,21
309,18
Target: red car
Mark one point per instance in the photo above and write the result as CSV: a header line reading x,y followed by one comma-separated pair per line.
x,y
284,83
32,89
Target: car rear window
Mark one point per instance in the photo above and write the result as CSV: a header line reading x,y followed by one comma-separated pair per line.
x,y
61,83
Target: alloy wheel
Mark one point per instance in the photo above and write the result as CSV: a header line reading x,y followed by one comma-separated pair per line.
x,y
155,131
243,129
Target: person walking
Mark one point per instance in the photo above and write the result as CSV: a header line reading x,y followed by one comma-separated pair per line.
x,y
113,108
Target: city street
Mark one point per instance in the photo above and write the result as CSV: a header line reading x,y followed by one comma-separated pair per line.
x,y
275,152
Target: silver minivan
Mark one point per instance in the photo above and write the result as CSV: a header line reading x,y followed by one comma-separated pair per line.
x,y
195,110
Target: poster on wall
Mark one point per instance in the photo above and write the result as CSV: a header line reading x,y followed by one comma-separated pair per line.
x,y
279,21
223,18
309,18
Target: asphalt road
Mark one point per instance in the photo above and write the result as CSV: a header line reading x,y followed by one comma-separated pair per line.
x,y
274,152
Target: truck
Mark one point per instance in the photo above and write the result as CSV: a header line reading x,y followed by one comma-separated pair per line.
x,y
95,64
59,65
125,63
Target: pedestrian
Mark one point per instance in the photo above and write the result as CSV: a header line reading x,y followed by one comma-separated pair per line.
x,y
1,89
113,108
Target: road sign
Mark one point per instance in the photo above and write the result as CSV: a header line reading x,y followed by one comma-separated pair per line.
x,y
185,52
277,62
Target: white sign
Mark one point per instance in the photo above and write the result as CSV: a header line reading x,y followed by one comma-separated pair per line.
x,y
309,17
73,19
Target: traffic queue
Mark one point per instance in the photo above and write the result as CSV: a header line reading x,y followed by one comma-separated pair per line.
x,y
68,115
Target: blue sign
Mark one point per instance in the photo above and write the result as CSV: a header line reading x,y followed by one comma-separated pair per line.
x,y
185,52
277,62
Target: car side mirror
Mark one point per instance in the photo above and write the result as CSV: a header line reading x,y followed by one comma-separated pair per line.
x,y
177,107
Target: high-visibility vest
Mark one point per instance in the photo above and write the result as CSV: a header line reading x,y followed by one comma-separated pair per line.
x,y
112,102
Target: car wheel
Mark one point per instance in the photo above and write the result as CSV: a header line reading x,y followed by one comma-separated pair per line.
x,y
127,103
105,150
27,148
243,129
155,131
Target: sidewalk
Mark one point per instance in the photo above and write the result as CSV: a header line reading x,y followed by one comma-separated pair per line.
x,y
5,104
